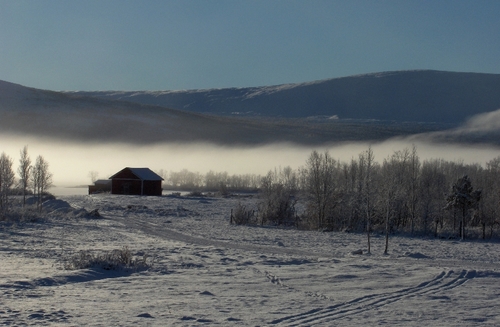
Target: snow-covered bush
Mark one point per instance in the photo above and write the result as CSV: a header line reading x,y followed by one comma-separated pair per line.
x,y
278,192
20,215
118,259
241,215
195,194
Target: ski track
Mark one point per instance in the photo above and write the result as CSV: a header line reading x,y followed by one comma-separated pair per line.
x,y
443,282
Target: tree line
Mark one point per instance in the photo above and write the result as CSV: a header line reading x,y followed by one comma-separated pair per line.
x,y
211,181
400,194
34,179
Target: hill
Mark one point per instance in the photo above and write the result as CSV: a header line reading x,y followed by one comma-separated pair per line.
x,y
77,117
401,96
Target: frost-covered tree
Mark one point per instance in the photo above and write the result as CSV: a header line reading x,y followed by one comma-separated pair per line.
x,y
93,175
186,179
216,181
279,189
41,179
391,190
432,186
351,215
397,191
320,179
6,181
489,206
413,186
464,198
367,164
24,172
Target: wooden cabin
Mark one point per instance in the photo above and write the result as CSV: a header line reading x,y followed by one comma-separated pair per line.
x,y
136,181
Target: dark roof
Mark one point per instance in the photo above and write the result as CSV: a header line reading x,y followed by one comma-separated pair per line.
x,y
144,174
102,182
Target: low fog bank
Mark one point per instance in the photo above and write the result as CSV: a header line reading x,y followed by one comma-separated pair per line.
x,y
71,162
481,128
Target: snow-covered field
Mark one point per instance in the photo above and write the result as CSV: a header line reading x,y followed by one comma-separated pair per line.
x,y
208,272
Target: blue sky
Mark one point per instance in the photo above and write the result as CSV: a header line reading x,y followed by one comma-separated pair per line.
x,y
189,44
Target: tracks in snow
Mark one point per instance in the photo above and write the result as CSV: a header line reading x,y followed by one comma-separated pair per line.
x,y
443,282
446,280
163,232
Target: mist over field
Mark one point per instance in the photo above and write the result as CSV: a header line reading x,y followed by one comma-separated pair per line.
x,y
70,162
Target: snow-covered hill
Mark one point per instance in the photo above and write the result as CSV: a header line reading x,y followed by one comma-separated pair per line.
x,y
419,96
76,117
385,105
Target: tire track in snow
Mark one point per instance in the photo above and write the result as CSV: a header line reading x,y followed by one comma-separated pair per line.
x,y
442,282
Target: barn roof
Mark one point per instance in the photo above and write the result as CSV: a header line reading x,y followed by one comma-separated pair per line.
x,y
145,174
102,182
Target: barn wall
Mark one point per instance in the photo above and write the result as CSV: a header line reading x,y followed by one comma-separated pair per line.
x,y
127,187
152,188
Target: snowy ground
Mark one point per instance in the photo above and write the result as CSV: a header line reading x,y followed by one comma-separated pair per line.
x,y
207,272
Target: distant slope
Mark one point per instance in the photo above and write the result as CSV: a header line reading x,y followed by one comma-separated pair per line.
x,y
29,111
418,96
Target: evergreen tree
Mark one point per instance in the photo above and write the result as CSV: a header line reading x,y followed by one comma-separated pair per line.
x,y
464,198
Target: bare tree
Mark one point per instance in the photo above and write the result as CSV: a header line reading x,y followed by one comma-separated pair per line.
x,y
321,187
6,181
414,182
93,175
395,174
24,172
432,186
491,195
388,192
350,211
186,179
367,163
279,189
41,179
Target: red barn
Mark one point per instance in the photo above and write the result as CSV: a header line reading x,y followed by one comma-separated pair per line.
x,y
136,181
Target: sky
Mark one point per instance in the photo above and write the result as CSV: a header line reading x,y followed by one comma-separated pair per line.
x,y
198,44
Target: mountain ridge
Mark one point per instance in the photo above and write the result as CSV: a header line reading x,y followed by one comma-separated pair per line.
x,y
77,117
87,117
412,95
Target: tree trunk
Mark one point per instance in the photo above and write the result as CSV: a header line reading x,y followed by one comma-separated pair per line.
x,y
387,231
454,222
386,240
368,234
463,223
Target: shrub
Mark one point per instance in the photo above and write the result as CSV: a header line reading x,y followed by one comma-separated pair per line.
x,y
195,194
20,215
118,259
241,215
279,190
